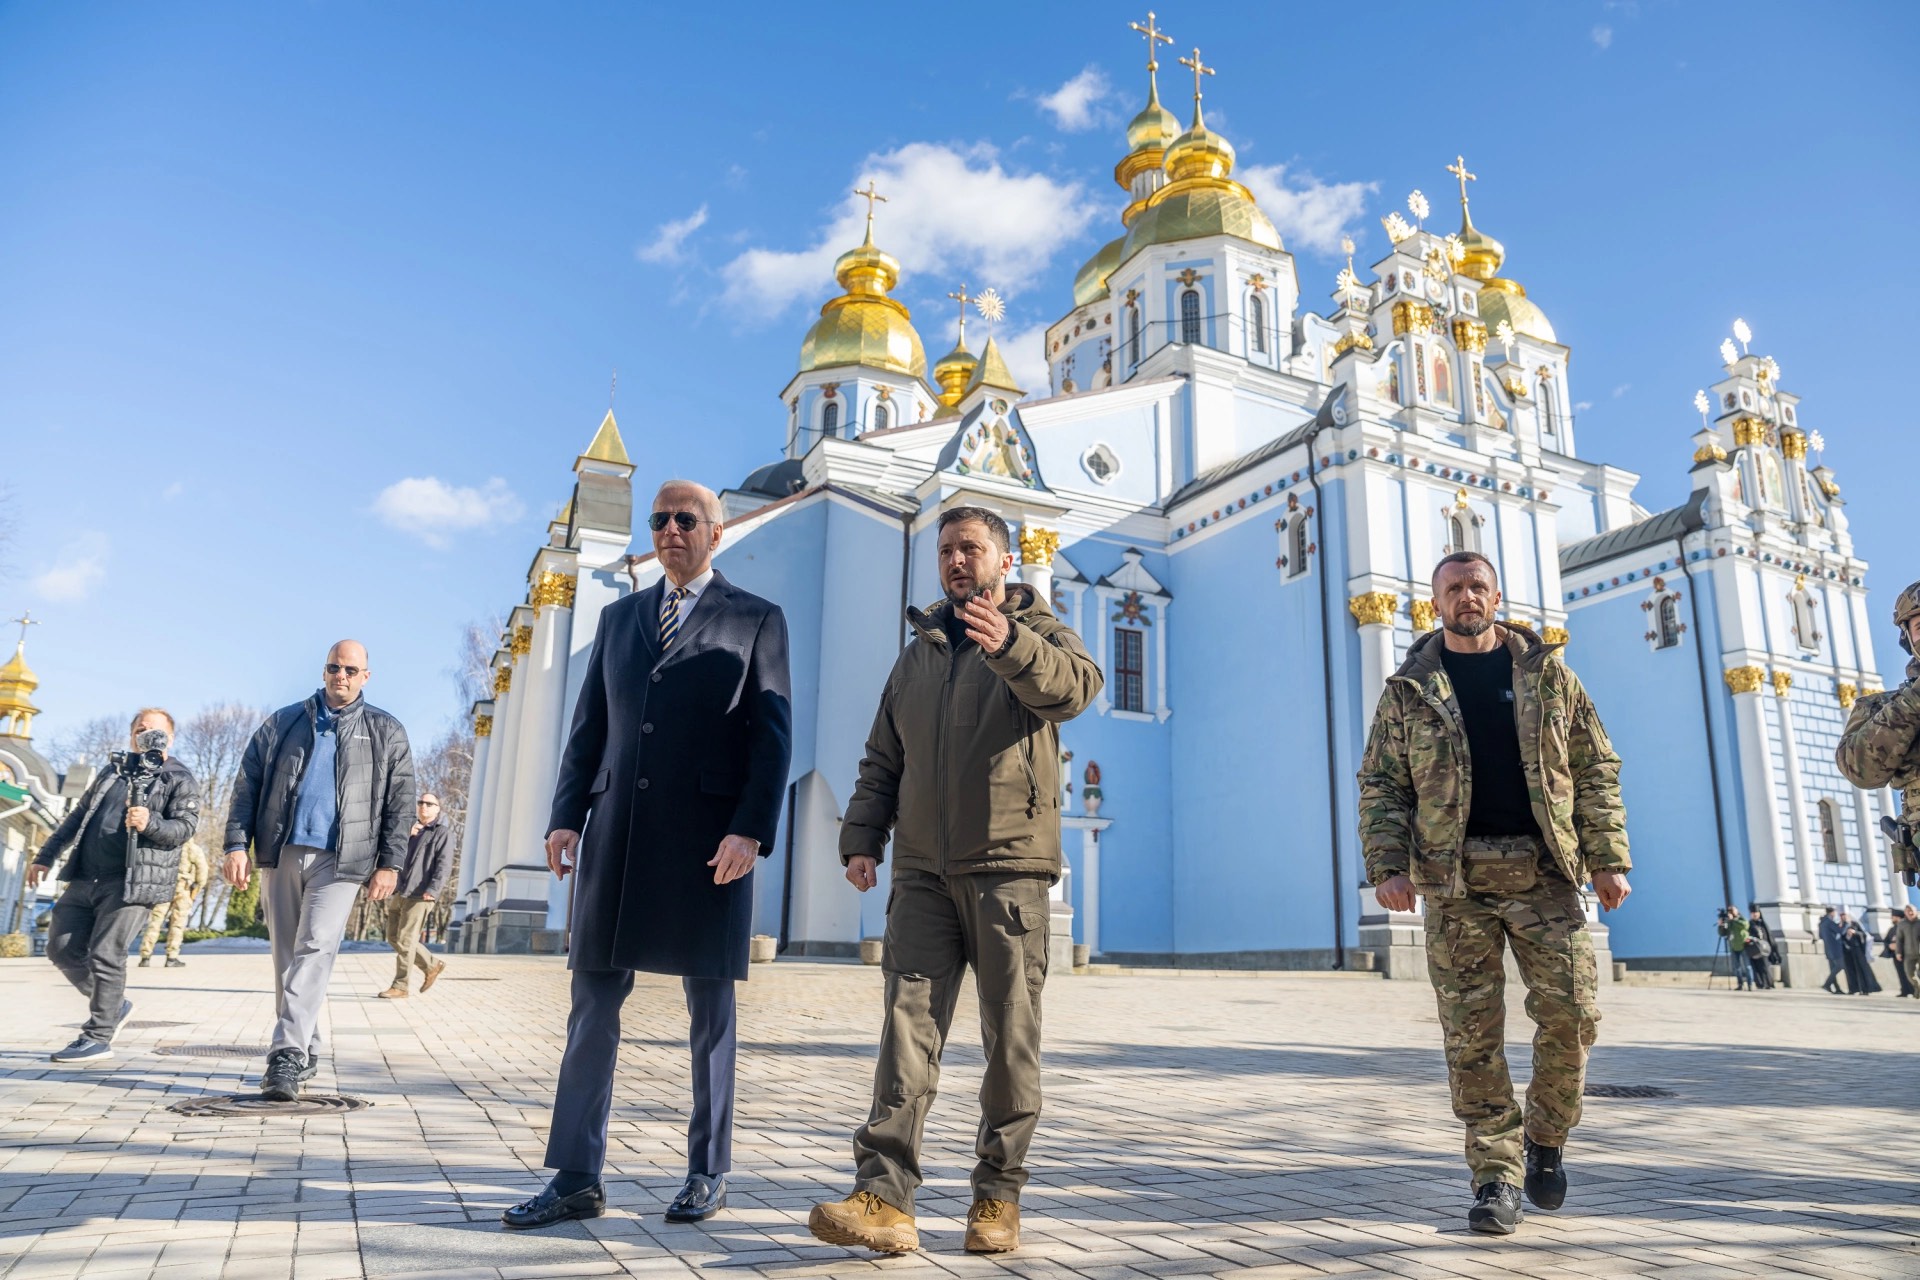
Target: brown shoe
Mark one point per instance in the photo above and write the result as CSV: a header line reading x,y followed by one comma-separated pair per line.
x,y
863,1219
433,974
993,1226
395,993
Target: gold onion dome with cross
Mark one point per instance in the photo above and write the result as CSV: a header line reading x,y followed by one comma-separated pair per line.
x,y
17,683
1200,197
1147,137
1500,299
864,326
955,369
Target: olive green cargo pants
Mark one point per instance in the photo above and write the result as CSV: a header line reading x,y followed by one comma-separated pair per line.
x,y
1539,914
936,928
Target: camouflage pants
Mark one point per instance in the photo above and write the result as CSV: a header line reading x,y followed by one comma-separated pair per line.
x,y
181,904
1465,939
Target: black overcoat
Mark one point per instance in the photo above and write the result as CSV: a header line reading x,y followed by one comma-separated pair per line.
x,y
668,755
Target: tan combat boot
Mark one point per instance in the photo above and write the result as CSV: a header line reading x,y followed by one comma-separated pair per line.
x,y
993,1226
394,993
865,1220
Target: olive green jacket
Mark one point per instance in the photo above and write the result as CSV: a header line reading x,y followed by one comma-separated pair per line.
x,y
1880,747
963,764
1416,779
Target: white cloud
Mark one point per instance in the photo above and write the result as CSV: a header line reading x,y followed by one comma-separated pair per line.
x,y
1026,355
667,241
1077,105
1602,37
173,491
1622,389
1309,213
431,509
1583,406
950,212
78,572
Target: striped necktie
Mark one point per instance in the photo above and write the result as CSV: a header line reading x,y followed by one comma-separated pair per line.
x,y
670,615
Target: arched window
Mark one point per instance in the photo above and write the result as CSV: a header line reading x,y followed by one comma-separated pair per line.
x,y
1257,322
1129,669
1297,546
1667,628
1133,334
830,419
1549,415
882,416
1830,831
1190,316
1457,527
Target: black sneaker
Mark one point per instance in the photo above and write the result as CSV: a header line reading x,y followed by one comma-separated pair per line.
x,y
84,1050
1496,1209
1546,1178
282,1081
174,962
145,961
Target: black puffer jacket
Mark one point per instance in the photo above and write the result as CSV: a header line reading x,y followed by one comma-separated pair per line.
x,y
373,787
174,800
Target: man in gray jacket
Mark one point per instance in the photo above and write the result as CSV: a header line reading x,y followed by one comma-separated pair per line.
x,y
325,799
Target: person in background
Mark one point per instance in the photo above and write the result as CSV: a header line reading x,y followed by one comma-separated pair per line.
x,y
423,877
1760,952
1733,927
194,873
1857,957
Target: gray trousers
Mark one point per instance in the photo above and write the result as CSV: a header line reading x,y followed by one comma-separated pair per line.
x,y
88,939
306,908
936,928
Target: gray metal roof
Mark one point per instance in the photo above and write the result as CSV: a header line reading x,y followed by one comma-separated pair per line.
x,y
1662,526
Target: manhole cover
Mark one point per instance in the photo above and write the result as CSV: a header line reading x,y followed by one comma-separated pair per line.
x,y
471,979
151,1026
248,1104
1628,1091
212,1050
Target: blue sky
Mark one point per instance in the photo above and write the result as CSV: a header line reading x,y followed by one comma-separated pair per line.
x,y
261,263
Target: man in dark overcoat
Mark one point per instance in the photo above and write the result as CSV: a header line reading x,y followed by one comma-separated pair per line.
x,y
675,770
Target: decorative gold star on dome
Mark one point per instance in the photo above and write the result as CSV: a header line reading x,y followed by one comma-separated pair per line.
x,y
1397,227
990,306
1728,355
1742,332
1417,206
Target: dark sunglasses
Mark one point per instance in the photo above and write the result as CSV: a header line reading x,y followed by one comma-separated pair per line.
x,y
335,669
686,521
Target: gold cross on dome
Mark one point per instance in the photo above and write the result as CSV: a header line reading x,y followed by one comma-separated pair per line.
x,y
1199,69
1459,170
872,193
24,621
1154,36
963,298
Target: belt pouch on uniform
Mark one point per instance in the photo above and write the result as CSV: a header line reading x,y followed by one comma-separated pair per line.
x,y
1502,869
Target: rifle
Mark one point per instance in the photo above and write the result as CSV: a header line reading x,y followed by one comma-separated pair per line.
x,y
1906,858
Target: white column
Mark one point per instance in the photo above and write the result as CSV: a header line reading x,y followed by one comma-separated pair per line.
x,y
1797,802
476,804
492,790
1872,868
1897,892
1769,854
1375,612
541,727
507,786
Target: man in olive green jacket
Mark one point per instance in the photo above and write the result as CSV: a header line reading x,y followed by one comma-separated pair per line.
x,y
1489,786
1880,747
962,767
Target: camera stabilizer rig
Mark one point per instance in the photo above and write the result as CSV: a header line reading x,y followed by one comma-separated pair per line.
x,y
140,767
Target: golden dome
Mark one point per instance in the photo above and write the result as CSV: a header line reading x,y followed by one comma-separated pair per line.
x,y
16,675
1484,254
1200,197
1507,300
1154,127
17,681
864,326
953,372
1199,153
1091,284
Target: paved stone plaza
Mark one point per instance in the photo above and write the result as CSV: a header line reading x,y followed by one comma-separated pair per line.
x,y
1197,1124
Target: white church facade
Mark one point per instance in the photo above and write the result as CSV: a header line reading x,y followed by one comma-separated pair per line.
x,y
1237,501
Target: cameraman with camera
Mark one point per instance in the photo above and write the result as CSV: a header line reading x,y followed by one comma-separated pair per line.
x,y
124,837
1881,744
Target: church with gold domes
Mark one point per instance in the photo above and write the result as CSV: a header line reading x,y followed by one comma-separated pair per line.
x,y
33,794
1237,497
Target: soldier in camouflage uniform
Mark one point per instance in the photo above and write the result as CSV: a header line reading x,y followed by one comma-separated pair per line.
x,y
1880,747
1489,787
194,872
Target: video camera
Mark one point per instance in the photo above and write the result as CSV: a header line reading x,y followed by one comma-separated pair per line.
x,y
148,757
1906,858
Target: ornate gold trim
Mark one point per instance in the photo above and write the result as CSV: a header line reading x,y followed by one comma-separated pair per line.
x,y
1375,608
1037,545
1349,341
1782,683
1470,335
553,588
1710,453
1555,635
1847,695
1793,444
1414,316
1425,615
522,642
502,681
483,726
1745,679
1748,431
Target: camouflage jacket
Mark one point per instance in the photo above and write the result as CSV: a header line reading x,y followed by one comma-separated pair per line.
x,y
1416,784
1880,747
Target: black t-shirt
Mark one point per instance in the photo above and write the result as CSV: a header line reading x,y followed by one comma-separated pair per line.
x,y
102,849
1483,686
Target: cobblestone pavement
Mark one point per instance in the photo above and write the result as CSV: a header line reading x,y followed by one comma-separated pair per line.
x,y
1255,1125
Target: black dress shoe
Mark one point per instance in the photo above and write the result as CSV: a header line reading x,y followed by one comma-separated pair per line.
x,y
550,1207
699,1199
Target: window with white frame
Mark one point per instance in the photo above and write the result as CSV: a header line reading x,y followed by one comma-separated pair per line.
x,y
882,416
1830,843
1257,322
830,419
1129,669
1664,627
1190,316
1805,618
1127,630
